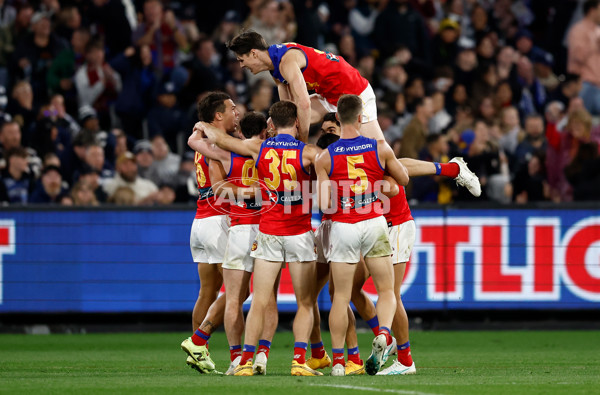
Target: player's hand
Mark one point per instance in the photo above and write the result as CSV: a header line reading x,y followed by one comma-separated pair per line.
x,y
199,129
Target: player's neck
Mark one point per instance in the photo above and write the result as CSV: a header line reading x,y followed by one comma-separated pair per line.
x,y
349,132
218,125
266,60
293,131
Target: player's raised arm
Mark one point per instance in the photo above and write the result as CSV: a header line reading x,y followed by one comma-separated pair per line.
x,y
392,165
322,168
200,144
291,71
224,141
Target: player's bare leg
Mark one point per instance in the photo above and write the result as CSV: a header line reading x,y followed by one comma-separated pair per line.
x,y
237,286
404,364
196,346
342,274
303,275
322,276
382,272
211,281
266,274
268,332
319,358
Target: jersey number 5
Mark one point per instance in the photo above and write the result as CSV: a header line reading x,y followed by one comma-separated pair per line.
x,y
286,168
354,173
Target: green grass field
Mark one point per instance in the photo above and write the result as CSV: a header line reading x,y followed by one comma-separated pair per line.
x,y
511,362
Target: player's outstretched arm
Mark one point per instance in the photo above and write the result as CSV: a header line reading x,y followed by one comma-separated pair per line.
x,y
291,71
250,147
284,91
322,167
220,186
391,164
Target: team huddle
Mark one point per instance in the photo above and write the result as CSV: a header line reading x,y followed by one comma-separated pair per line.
x,y
254,216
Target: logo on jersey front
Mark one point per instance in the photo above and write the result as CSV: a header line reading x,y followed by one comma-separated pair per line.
x,y
339,149
347,202
273,197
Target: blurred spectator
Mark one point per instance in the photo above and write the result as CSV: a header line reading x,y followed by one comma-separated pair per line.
x,y
534,141
347,49
503,95
165,164
123,196
17,181
584,54
127,176
139,87
163,33
83,195
269,23
441,120
445,43
415,134
465,66
511,130
206,74
98,84
50,188
533,93
143,157
10,138
261,97
394,77
568,89
399,25
91,179
414,90
68,20
34,54
62,71
227,29
94,158
485,83
20,107
166,195
62,118
505,63
166,118
530,183
583,172
563,147
114,20
486,109
311,16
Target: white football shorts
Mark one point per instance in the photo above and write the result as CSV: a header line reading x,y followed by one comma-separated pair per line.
x,y
208,239
297,248
369,238
402,239
369,104
239,244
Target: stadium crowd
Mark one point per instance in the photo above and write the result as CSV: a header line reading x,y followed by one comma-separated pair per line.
x,y
97,98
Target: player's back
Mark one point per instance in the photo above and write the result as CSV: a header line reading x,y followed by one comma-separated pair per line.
x,y
206,206
355,170
243,173
327,74
282,175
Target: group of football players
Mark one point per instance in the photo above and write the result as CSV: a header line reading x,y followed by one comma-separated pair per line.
x,y
254,216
